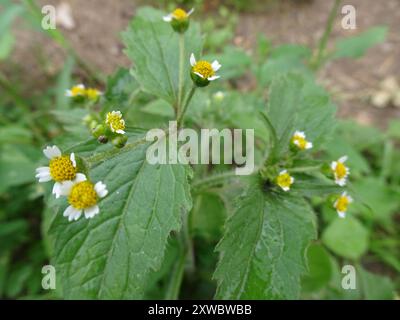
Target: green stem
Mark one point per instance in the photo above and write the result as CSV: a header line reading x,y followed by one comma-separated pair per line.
x,y
324,39
305,169
176,278
182,114
181,66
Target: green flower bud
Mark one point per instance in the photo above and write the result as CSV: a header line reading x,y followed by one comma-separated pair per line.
x,y
120,141
179,20
99,130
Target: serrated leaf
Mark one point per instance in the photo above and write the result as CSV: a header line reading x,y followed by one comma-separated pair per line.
x,y
262,254
111,255
297,103
153,46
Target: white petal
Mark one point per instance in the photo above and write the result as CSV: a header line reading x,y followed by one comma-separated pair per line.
x,y
291,179
79,178
91,211
120,131
65,188
43,174
343,159
190,11
192,60
213,78
168,18
283,171
350,199
57,189
81,86
215,65
52,152
77,215
309,145
71,212
333,165
285,189
341,182
341,214
199,74
72,158
300,134
68,93
101,189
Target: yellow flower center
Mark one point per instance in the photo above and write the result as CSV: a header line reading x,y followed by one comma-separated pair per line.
x,y
299,141
204,68
179,14
82,195
284,180
62,169
92,94
340,170
77,91
342,204
115,121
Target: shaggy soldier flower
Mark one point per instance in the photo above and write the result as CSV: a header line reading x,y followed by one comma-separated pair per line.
x,y
203,72
340,171
284,180
179,19
115,121
61,168
342,203
83,196
76,91
299,141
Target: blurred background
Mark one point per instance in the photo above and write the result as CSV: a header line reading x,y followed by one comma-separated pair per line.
x,y
36,66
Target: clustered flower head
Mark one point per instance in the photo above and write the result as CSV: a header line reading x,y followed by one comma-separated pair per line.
x,y
115,121
82,194
179,19
299,141
341,204
340,173
284,180
202,72
80,92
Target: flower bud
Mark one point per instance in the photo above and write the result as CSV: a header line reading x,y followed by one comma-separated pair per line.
x,y
120,141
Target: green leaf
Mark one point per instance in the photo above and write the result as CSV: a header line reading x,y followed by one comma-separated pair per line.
x,y
296,103
374,286
111,255
153,47
319,264
356,46
283,60
262,254
379,197
346,237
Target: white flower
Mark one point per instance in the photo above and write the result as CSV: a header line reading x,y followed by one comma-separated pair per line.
x,y
299,140
83,196
340,171
342,203
61,168
178,14
284,180
75,91
204,69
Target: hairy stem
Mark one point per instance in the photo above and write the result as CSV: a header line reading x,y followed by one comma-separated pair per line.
x,y
181,66
182,114
324,39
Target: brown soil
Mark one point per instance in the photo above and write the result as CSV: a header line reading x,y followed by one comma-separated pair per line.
x,y
96,38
